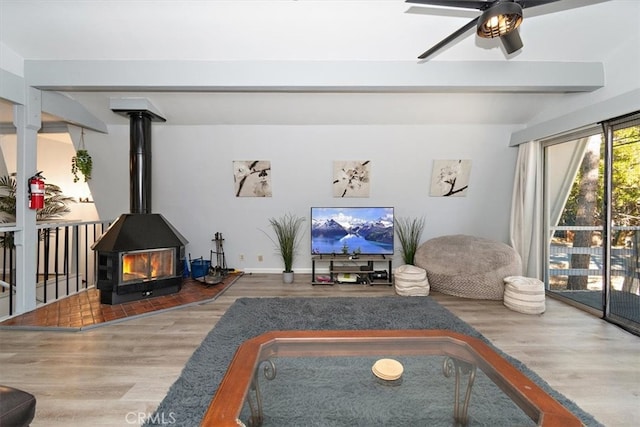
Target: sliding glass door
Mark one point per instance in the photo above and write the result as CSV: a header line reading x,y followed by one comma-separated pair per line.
x,y
592,217
622,297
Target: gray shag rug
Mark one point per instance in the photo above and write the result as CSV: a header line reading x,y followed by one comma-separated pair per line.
x,y
413,402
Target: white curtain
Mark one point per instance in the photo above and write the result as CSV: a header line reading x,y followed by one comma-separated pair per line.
x,y
527,204
526,209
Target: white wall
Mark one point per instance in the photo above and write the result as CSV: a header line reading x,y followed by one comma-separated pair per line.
x,y
193,181
6,141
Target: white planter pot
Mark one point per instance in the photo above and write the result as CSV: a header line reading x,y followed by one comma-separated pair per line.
x,y
287,277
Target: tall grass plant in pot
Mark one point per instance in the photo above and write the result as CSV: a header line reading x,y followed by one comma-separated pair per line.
x,y
409,231
288,231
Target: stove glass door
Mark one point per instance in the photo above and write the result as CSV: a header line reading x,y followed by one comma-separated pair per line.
x,y
152,264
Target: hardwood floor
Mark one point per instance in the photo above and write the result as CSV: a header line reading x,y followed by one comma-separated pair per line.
x,y
117,374
84,310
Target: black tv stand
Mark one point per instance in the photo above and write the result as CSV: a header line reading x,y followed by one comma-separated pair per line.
x,y
352,269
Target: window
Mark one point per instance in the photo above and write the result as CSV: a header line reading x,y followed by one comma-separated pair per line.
x,y
592,217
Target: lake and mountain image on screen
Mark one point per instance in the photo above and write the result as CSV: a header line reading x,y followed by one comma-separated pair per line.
x,y
353,231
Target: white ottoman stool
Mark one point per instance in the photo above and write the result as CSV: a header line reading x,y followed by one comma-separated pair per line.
x,y
411,281
524,294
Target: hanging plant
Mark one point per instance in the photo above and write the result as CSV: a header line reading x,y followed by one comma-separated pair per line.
x,y
81,162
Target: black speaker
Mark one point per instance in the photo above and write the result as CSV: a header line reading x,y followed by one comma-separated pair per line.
x,y
379,275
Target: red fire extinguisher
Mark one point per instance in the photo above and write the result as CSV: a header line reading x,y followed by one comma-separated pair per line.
x,y
36,191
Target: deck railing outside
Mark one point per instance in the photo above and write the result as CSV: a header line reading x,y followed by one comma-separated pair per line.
x,y
625,269
619,301
64,260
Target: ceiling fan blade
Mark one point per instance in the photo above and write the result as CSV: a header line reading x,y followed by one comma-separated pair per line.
x,y
471,24
512,41
465,4
478,4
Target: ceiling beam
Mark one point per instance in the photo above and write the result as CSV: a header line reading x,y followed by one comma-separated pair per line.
x,y
316,76
605,110
12,87
12,91
70,111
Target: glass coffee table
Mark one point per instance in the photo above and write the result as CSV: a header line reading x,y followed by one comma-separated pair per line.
x,y
466,364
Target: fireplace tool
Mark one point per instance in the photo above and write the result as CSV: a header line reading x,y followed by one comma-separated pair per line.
x,y
220,269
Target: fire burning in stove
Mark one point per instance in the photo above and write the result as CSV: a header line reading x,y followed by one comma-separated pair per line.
x,y
147,265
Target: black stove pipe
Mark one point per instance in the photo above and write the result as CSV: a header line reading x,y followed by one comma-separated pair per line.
x,y
140,162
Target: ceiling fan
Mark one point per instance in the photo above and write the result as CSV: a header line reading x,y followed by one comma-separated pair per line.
x,y
499,18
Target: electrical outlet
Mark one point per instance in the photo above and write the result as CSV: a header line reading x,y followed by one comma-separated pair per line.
x,y
241,257
260,259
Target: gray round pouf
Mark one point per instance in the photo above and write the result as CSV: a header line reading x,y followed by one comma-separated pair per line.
x,y
468,266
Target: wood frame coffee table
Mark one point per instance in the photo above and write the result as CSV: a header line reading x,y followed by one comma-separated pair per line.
x,y
240,383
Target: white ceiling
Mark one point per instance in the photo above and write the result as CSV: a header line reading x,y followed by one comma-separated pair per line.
x,y
282,30
304,30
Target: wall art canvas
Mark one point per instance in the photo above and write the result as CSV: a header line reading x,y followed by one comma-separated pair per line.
x,y
450,178
252,178
351,178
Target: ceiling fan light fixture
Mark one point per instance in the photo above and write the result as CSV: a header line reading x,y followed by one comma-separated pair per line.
x,y
500,19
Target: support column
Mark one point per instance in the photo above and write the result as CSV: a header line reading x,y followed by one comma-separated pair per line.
x,y
27,120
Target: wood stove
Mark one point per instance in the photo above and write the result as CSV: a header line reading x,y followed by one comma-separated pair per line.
x,y
141,254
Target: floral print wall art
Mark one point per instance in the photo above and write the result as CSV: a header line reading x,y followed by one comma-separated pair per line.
x,y
351,178
450,178
252,178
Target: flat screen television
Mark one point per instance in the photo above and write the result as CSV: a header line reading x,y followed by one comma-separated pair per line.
x,y
354,230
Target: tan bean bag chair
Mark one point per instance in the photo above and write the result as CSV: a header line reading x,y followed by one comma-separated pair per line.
x,y
468,266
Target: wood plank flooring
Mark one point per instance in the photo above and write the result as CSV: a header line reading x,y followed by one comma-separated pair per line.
x,y
117,374
84,310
